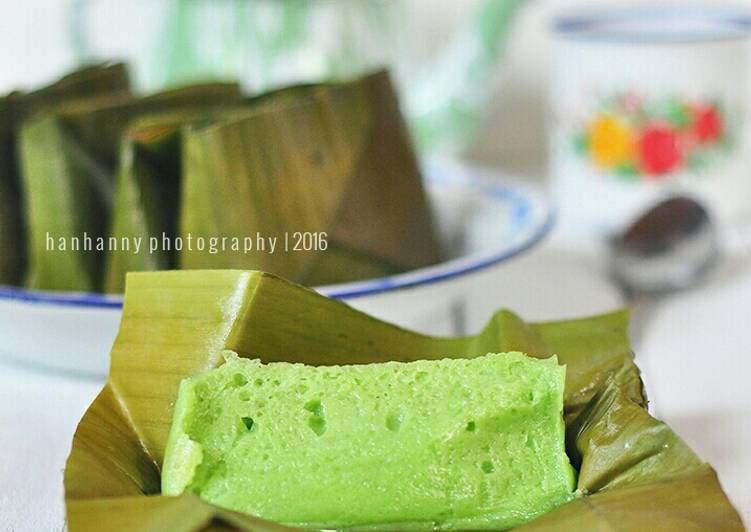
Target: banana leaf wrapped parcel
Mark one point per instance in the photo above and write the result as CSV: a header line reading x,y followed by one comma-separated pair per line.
x,y
330,158
16,107
90,165
147,188
634,473
69,155
303,160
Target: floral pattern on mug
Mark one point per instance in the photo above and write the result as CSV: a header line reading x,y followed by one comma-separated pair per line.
x,y
634,138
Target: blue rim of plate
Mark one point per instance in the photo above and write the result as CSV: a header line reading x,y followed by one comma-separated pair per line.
x,y
525,216
729,23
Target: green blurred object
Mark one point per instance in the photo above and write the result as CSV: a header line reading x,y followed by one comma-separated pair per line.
x,y
69,158
272,43
319,160
12,257
14,108
635,473
311,166
323,159
146,190
149,187
147,194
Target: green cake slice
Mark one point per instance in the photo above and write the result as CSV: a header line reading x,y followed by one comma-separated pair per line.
x,y
444,444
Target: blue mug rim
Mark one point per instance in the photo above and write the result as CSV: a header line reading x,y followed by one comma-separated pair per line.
x,y
731,23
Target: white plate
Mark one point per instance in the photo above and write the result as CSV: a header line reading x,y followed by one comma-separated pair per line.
x,y
484,218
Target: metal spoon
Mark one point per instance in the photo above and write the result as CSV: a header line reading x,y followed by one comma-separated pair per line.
x,y
671,247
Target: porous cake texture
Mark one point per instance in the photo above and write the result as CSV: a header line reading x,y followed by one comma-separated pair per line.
x,y
448,444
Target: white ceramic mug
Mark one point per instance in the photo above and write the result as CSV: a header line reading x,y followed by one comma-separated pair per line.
x,y
647,103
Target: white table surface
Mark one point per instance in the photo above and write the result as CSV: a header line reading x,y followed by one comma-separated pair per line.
x,y
705,334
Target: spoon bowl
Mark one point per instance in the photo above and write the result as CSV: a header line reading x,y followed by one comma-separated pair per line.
x,y
670,247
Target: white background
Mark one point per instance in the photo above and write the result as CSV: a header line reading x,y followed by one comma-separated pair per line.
x,y
34,47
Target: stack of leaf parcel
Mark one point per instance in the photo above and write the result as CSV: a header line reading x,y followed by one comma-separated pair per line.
x,y
14,109
87,161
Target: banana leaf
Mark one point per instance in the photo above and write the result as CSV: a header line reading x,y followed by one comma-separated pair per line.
x,y
148,188
147,191
13,109
11,229
145,203
234,192
634,472
310,159
98,123
88,81
69,157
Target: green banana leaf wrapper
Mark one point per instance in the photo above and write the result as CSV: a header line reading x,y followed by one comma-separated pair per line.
x,y
16,107
313,159
148,189
147,192
634,472
69,157
11,222
86,82
326,158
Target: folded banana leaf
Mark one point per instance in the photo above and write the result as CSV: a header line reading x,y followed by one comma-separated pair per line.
x,y
634,472
332,159
148,189
146,200
88,81
147,193
97,124
13,109
69,157
11,229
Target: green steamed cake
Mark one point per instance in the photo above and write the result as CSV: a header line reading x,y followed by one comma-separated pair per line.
x,y
448,444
